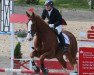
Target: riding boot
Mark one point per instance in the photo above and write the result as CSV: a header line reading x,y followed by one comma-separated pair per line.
x,y
62,42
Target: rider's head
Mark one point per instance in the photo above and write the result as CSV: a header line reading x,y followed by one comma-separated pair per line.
x,y
48,5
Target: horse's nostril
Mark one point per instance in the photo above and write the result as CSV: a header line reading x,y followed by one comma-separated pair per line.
x,y
30,39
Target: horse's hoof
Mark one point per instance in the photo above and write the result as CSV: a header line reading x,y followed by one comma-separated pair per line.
x,y
45,72
36,69
65,70
73,73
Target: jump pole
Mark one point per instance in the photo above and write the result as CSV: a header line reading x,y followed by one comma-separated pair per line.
x,y
16,70
12,45
32,72
7,10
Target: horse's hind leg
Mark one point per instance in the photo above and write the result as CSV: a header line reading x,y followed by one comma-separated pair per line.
x,y
72,61
62,62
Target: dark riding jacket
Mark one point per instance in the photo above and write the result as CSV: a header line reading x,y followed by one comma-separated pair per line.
x,y
54,18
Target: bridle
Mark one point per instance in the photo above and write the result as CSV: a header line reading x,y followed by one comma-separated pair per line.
x,y
30,31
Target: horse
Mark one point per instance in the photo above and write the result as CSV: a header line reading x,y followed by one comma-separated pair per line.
x,y
46,43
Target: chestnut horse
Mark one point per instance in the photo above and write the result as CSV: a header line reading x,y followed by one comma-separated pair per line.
x,y
46,43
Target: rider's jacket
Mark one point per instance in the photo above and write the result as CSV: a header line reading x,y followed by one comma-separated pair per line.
x,y
54,18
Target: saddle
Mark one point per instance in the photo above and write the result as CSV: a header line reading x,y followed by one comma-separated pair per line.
x,y
66,38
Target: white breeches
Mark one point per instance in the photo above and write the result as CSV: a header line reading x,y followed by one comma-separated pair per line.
x,y
59,29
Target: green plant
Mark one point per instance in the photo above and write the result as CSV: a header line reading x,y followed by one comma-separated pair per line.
x,y
68,3
21,33
20,1
17,51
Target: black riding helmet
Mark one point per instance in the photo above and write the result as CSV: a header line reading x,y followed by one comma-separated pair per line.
x,y
49,2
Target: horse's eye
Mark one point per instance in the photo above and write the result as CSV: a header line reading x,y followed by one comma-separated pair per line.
x,y
32,23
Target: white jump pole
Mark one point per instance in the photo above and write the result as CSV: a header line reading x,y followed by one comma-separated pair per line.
x,y
7,10
16,70
12,45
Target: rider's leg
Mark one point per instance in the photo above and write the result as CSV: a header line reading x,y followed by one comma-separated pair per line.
x,y
61,38
62,42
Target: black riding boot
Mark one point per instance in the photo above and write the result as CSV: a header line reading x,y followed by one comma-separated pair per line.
x,y
62,42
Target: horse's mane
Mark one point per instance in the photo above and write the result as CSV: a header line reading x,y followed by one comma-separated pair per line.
x,y
41,21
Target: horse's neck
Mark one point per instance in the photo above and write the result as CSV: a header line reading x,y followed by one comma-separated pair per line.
x,y
42,26
43,31
45,35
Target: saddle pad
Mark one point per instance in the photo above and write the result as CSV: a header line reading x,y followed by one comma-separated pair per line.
x,y
67,41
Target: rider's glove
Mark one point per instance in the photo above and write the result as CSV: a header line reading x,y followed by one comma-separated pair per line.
x,y
51,25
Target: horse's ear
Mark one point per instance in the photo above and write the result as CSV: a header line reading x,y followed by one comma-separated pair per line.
x,y
33,14
28,14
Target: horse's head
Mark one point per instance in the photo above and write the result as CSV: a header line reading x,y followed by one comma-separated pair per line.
x,y
31,26
36,25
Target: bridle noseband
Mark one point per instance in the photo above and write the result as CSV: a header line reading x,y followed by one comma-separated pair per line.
x,y
32,33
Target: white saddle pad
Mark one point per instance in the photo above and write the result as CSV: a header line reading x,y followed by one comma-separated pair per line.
x,y
67,41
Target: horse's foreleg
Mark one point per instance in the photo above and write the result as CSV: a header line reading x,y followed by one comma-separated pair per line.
x,y
73,62
42,66
34,66
47,55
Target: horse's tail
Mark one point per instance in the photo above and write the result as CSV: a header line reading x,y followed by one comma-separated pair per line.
x,y
72,48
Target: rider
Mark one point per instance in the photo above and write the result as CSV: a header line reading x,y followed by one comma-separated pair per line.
x,y
54,21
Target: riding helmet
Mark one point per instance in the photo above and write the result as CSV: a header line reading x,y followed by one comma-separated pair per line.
x,y
49,2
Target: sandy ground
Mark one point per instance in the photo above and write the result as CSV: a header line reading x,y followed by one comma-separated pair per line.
x,y
77,20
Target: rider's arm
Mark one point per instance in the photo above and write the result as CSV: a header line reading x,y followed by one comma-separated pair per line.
x,y
59,22
43,14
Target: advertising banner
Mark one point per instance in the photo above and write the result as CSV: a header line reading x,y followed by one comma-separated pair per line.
x,y
86,61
